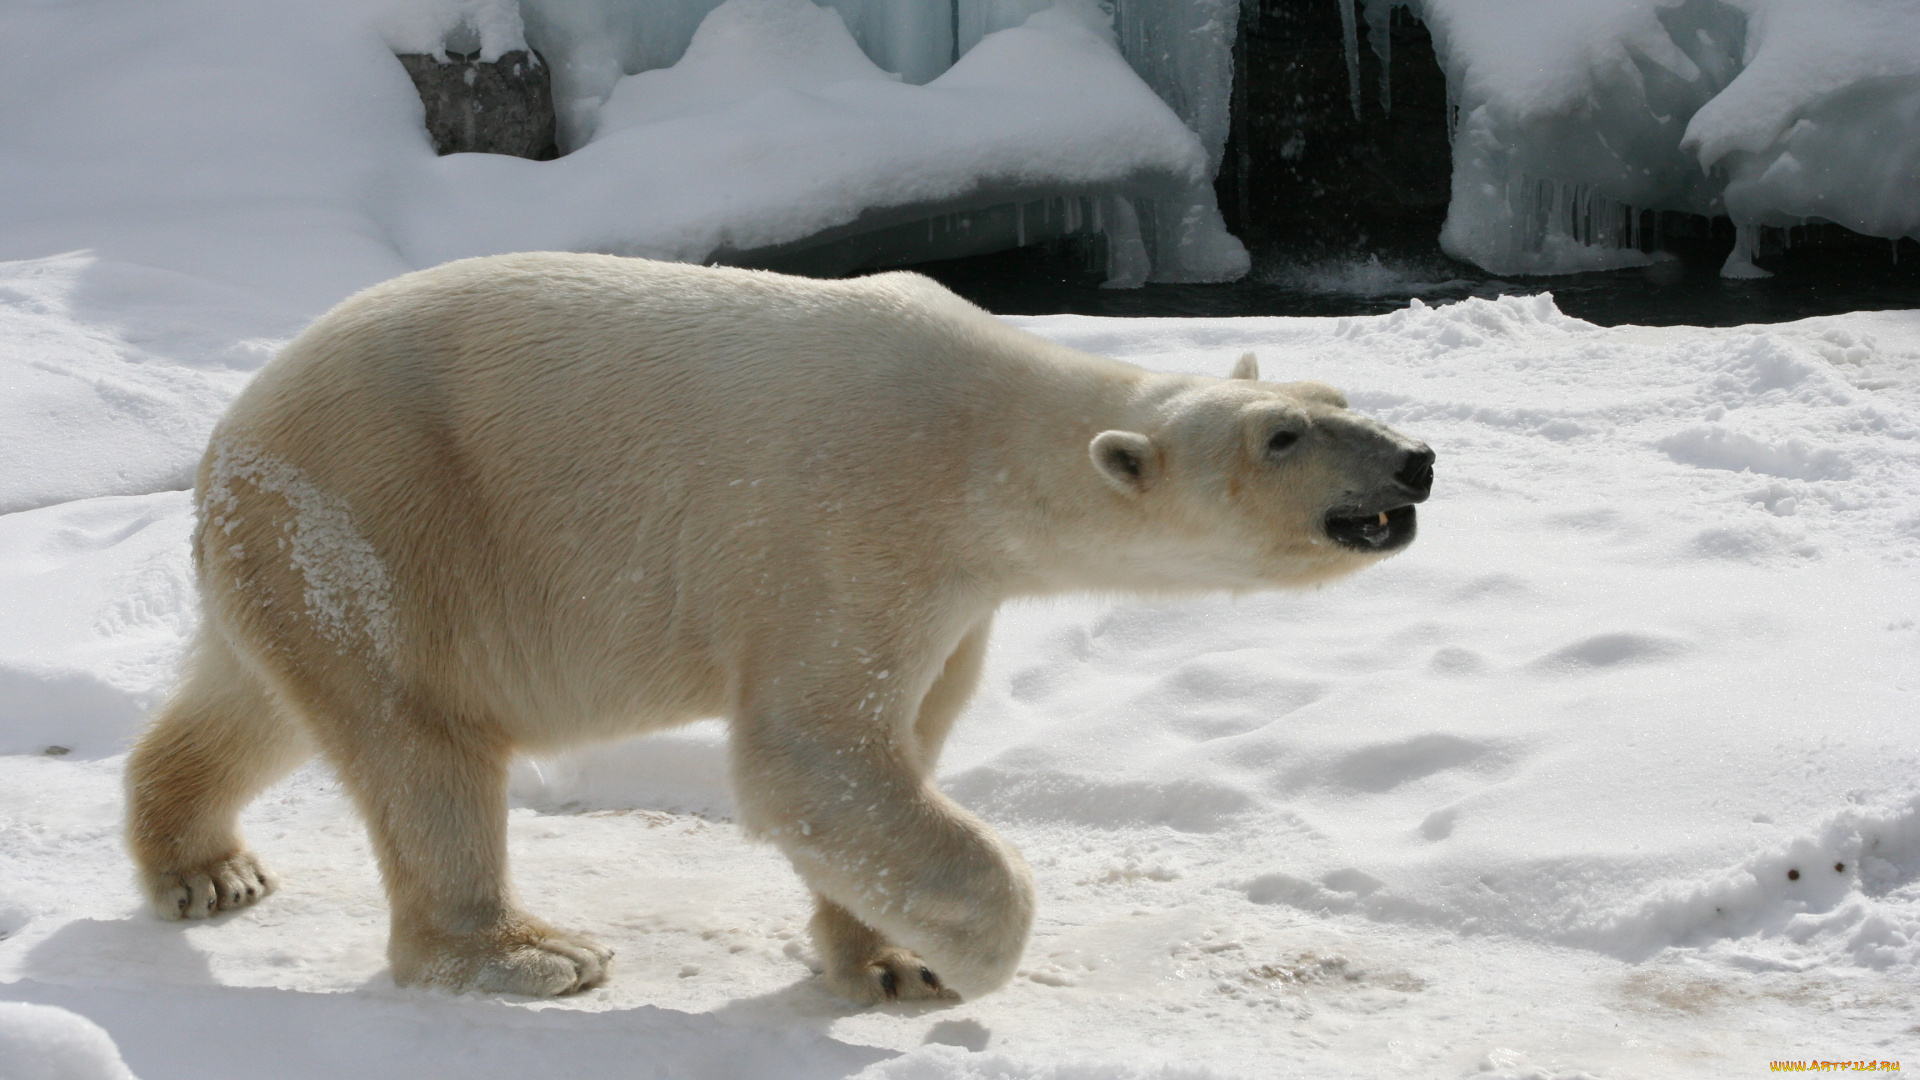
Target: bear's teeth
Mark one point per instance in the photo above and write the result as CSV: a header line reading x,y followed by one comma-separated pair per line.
x,y
1383,517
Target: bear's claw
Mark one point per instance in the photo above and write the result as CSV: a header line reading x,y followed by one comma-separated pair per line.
x,y
895,974
236,881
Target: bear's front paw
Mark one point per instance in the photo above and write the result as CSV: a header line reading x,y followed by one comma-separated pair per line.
x,y
892,974
224,884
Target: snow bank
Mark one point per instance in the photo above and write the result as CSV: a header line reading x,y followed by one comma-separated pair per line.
x,y
283,178
1182,51
1573,117
774,128
43,1042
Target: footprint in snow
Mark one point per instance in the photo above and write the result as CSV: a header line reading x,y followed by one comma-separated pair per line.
x,y
1603,651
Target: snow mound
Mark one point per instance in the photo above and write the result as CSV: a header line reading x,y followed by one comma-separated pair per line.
x,y
1845,891
44,1042
742,49
1475,322
1573,117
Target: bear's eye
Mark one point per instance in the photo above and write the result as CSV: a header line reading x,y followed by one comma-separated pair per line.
x,y
1282,441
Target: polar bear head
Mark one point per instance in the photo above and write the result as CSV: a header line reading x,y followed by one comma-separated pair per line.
x,y
1237,483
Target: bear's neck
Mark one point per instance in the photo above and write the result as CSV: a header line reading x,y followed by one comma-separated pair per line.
x,y
1058,527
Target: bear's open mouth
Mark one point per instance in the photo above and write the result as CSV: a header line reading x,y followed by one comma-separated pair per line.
x,y
1374,531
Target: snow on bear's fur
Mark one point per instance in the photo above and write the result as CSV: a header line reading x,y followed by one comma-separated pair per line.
x,y
520,503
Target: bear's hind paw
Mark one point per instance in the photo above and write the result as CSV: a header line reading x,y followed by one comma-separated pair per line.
x,y
555,965
520,956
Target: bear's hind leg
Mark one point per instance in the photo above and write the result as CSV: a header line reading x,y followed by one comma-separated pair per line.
x,y
433,790
216,743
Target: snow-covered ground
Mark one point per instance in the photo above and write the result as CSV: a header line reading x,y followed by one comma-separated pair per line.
x,y
1613,773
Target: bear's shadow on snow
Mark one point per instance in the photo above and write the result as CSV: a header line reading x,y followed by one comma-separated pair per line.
x,y
138,946
70,967
295,1035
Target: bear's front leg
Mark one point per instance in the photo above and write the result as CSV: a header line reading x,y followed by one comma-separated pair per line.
x,y
861,964
833,775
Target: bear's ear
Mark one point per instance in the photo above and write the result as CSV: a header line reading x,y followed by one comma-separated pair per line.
x,y
1126,460
1247,368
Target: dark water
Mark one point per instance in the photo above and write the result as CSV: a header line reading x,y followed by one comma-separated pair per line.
x,y
1685,288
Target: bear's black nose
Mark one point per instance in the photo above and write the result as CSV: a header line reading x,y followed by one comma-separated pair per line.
x,y
1416,474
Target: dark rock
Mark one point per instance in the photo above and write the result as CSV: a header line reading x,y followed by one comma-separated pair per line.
x,y
1301,170
503,107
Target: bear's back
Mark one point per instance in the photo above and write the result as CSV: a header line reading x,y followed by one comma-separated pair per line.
x,y
582,453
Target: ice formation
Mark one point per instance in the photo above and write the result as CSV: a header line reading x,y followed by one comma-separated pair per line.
x,y
1572,118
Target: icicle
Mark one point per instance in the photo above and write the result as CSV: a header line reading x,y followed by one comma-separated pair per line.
x,y
1020,224
1739,264
1127,261
1551,213
1380,37
1350,30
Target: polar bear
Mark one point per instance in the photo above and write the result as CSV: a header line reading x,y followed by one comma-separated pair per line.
x,y
520,503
